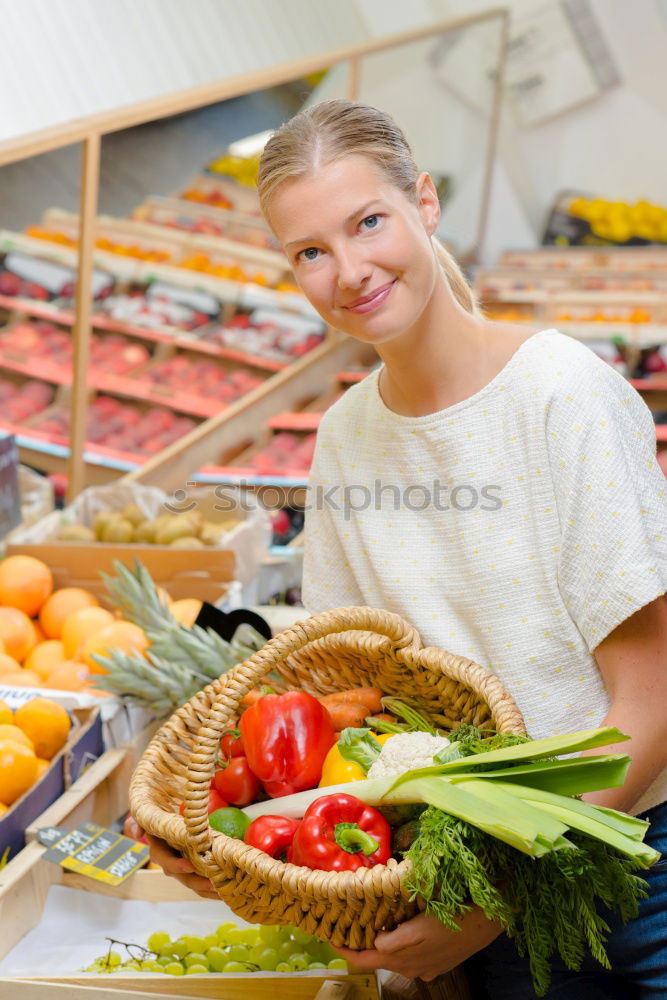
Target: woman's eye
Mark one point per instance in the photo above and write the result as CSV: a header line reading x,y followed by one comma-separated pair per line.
x,y
310,253
370,222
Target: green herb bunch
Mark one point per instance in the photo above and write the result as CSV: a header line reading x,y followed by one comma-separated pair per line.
x,y
544,903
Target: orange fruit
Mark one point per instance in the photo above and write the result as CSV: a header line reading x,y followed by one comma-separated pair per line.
x,y
60,605
6,714
18,770
80,625
46,723
3,809
17,632
42,766
118,635
25,583
186,610
16,734
8,665
68,676
44,657
22,678
40,634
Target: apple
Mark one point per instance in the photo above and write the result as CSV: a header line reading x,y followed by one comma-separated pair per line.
x,y
10,284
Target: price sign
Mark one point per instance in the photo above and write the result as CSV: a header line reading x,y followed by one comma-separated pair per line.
x,y
92,850
10,495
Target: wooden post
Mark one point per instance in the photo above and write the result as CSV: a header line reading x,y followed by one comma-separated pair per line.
x,y
492,138
90,178
353,78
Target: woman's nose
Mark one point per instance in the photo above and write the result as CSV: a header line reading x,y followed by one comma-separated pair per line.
x,y
352,270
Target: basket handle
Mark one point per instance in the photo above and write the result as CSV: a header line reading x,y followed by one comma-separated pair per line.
x,y
302,633
244,677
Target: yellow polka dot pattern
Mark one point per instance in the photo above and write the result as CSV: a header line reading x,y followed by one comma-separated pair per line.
x,y
571,542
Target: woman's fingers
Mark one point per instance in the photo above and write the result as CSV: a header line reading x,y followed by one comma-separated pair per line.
x,y
407,935
169,860
363,961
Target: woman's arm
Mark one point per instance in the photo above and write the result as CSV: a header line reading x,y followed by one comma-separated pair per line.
x,y
633,663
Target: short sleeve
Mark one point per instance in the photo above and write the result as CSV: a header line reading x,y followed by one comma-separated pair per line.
x,y
611,497
328,581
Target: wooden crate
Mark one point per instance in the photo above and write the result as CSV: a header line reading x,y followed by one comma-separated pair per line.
x,y
100,796
23,891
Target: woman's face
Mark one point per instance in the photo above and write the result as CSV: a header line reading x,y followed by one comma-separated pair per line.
x,y
360,250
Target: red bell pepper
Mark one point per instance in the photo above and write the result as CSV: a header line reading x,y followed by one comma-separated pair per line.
x,y
272,834
286,738
340,833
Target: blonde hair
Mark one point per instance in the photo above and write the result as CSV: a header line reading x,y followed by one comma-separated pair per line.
x,y
334,129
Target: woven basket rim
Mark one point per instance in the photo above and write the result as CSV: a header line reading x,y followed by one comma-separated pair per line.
x,y
207,847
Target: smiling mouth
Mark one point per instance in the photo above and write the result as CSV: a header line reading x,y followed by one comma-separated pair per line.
x,y
369,302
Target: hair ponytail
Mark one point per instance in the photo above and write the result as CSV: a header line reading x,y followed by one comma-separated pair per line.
x,y
457,280
333,129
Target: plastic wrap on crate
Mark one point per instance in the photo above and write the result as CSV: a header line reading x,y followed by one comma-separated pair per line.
x,y
248,540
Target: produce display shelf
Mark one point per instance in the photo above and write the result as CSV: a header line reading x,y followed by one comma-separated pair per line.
x,y
573,258
188,215
235,475
128,269
169,240
99,321
115,385
195,406
288,421
106,458
637,334
575,296
230,434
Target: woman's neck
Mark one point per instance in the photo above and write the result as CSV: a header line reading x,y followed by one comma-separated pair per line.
x,y
442,360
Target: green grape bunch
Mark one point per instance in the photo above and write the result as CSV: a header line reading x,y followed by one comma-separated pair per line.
x,y
228,949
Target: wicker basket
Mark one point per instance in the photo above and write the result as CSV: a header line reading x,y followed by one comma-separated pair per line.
x,y
329,652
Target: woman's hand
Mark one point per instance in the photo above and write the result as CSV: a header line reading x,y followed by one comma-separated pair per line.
x,y
423,947
176,866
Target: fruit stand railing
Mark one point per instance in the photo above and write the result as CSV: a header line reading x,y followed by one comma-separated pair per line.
x,y
89,131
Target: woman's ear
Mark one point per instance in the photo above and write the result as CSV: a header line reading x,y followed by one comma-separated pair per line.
x,y
428,203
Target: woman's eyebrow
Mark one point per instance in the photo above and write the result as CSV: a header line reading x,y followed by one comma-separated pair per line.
x,y
353,215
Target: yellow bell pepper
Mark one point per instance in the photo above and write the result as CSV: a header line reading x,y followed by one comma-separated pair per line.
x,y
336,770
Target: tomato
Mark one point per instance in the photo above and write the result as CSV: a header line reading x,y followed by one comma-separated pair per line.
x,y
231,744
215,801
237,783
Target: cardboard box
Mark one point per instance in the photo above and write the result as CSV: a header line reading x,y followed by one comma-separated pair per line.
x,y
203,573
83,746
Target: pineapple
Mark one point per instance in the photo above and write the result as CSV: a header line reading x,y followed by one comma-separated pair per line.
x,y
180,660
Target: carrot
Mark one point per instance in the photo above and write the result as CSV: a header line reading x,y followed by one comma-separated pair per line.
x,y
347,715
371,697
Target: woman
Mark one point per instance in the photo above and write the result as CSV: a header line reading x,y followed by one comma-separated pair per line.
x,y
495,486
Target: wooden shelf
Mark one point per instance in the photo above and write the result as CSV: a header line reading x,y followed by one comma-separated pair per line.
x,y
177,339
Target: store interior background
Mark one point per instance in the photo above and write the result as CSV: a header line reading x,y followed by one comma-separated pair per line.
x,y
614,146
